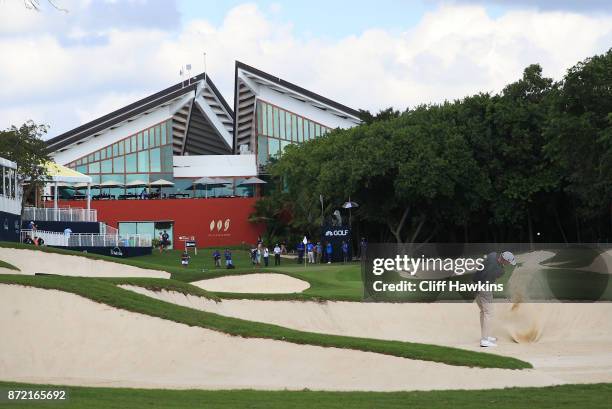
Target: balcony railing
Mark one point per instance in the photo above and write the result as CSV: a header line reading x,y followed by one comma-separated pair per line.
x,y
52,238
60,214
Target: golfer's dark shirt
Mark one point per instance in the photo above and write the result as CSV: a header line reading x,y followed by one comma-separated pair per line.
x,y
492,270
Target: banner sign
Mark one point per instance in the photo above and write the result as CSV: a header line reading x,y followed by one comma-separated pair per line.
x,y
336,235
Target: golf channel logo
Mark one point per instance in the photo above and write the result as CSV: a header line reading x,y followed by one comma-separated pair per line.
x,y
337,233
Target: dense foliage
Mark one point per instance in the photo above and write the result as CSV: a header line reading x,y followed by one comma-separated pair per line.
x,y
531,163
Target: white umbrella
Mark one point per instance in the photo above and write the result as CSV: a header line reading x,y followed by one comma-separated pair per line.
x,y
109,184
136,183
161,183
210,182
350,205
252,181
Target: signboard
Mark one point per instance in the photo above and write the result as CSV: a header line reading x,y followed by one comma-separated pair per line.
x,y
190,243
336,235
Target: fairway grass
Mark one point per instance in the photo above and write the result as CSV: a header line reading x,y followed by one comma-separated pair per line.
x,y
106,291
594,396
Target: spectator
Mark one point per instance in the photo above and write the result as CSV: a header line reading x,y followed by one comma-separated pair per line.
x,y
161,243
319,252
310,252
228,259
345,252
217,258
363,246
254,255
32,226
67,232
283,248
165,238
185,258
143,194
266,256
329,250
277,254
300,251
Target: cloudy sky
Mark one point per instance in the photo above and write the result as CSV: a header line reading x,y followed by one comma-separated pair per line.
x,y
66,68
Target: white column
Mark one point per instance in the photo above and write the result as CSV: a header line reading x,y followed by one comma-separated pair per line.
x,y
88,198
55,201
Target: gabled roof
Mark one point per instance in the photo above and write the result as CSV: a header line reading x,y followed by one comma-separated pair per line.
x,y
297,89
133,109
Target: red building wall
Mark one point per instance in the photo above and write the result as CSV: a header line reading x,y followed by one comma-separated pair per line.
x,y
213,222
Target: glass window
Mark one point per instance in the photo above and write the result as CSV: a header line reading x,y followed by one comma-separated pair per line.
x,y
121,145
169,135
134,144
300,129
306,130
163,134
262,150
274,147
276,123
157,135
259,118
109,151
118,164
282,124
94,167
166,158
97,155
143,161
145,139
293,128
130,163
127,228
269,120
103,154
139,142
128,146
116,149
317,130
289,126
82,169
311,132
90,158
155,160
107,166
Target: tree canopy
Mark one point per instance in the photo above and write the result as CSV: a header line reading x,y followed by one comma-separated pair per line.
x,y
533,158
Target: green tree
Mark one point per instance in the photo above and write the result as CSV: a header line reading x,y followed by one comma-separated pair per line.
x,y
24,146
579,134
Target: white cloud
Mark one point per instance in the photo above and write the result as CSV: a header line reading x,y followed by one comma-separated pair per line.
x,y
452,52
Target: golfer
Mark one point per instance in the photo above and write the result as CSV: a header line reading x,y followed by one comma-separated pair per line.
x,y
492,270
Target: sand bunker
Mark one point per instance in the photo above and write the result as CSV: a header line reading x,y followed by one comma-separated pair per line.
x,y
38,262
80,342
271,283
580,335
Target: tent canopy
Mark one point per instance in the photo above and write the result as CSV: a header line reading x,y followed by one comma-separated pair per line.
x,y
62,174
162,183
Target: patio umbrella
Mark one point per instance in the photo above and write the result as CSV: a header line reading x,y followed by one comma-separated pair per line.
x,y
350,205
252,181
161,183
136,183
109,184
211,182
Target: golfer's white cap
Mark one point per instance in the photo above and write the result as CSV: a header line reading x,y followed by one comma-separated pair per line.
x,y
509,257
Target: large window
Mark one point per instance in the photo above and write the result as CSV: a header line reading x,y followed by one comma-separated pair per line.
x,y
146,156
277,128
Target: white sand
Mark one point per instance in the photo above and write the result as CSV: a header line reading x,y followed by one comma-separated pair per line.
x,y
574,341
60,338
264,283
32,261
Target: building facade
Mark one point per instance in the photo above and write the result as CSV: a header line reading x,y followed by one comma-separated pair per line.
x,y
163,145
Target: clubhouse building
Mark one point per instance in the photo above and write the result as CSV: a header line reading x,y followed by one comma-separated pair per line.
x,y
183,161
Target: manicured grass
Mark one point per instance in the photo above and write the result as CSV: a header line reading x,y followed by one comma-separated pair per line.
x,y
9,266
105,291
595,396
